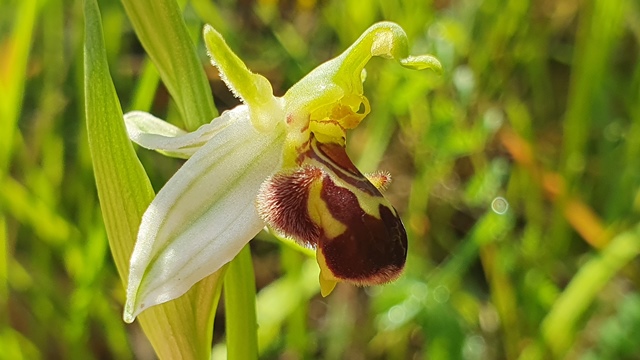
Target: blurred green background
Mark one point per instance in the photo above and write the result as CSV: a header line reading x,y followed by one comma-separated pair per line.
x,y
539,104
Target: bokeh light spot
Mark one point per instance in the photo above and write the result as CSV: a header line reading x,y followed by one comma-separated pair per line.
x,y
500,205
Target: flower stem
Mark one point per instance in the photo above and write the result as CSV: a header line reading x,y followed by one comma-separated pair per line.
x,y
240,305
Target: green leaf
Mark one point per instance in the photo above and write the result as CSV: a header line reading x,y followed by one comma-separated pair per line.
x,y
559,327
164,36
177,329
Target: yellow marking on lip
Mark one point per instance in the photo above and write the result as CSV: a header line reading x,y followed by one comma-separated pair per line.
x,y
369,204
320,214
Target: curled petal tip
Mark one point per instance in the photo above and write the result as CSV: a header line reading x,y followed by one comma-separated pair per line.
x,y
422,62
337,84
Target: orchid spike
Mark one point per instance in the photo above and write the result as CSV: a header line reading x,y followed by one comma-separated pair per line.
x,y
279,162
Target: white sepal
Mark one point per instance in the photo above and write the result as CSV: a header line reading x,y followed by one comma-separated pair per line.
x,y
152,133
205,213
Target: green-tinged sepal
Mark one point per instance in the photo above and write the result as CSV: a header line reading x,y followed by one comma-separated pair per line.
x,y
155,134
205,213
253,89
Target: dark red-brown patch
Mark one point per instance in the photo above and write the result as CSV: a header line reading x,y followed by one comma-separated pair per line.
x,y
282,203
371,251
334,157
338,155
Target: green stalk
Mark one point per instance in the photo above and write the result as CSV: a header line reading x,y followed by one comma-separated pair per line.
x,y
240,303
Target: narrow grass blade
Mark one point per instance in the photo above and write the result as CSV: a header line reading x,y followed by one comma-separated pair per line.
x,y
560,326
164,35
13,68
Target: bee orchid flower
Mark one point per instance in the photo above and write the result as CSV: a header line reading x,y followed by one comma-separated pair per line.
x,y
274,161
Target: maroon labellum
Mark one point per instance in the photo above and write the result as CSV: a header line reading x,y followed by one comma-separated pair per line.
x,y
328,204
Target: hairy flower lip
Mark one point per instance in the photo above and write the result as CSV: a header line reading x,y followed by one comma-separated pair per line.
x,y
239,164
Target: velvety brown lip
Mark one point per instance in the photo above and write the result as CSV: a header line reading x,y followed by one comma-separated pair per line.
x,y
371,251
